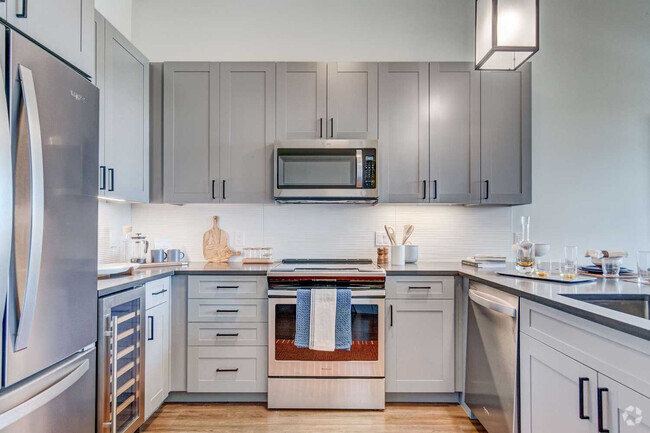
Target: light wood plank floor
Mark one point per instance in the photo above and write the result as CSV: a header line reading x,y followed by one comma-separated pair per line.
x,y
255,418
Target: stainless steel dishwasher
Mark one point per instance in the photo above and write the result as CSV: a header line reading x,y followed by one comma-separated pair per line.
x,y
491,372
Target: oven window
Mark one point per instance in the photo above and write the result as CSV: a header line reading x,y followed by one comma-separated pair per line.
x,y
365,336
316,168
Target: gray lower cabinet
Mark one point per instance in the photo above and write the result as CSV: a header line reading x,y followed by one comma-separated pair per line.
x,y
419,346
247,131
506,136
352,100
190,132
404,132
123,79
157,344
227,334
302,100
455,125
626,410
63,26
550,391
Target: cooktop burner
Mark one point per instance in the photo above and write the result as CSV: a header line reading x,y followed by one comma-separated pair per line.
x,y
327,261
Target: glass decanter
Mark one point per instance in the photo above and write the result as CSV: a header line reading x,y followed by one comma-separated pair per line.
x,y
525,262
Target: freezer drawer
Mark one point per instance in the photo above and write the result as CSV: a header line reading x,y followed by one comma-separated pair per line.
x,y
61,399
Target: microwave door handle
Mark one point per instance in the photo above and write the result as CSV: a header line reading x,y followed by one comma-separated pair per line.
x,y
6,197
359,167
37,208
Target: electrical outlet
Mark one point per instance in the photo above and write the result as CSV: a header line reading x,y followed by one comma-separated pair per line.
x,y
240,239
381,239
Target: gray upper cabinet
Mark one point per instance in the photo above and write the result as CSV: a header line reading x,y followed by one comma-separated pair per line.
x,y
455,112
125,84
63,26
247,131
506,136
190,132
404,132
3,10
302,100
352,100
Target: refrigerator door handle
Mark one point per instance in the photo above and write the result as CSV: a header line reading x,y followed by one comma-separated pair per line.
x,y
37,205
22,410
6,196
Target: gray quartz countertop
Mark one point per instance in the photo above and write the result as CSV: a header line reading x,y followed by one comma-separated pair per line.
x,y
547,293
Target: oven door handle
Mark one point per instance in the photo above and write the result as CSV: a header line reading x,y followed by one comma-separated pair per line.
x,y
492,303
370,293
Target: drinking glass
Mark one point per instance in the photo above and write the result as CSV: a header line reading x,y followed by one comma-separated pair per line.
x,y
543,267
643,262
570,263
611,266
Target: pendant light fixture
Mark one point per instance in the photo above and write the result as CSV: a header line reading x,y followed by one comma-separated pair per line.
x,y
506,33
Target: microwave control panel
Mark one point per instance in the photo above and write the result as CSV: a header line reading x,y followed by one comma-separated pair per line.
x,y
369,169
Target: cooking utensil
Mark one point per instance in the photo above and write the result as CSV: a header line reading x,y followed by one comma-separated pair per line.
x,y
408,231
390,231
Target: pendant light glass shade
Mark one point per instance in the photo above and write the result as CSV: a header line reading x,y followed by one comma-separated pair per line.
x,y
507,33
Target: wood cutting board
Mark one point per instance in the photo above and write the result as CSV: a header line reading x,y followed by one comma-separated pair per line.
x,y
215,245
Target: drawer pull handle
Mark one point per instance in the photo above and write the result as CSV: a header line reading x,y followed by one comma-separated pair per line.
x,y
420,287
219,370
601,428
225,334
228,311
159,293
227,287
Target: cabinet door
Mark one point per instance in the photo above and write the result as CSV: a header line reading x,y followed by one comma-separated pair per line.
x,y
404,132
63,26
247,131
126,123
301,108
352,100
156,372
3,10
190,132
551,397
624,410
98,80
455,133
506,136
420,346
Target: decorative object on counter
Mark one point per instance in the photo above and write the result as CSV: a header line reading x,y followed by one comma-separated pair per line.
x,y
397,255
139,248
525,260
406,234
569,269
411,253
485,261
554,278
175,255
158,255
110,269
215,245
263,255
542,249
382,255
643,264
597,255
390,231
542,267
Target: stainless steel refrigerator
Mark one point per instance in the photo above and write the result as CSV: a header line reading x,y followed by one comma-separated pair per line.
x,y
49,126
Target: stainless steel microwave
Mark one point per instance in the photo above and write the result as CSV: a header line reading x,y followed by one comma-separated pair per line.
x,y
325,171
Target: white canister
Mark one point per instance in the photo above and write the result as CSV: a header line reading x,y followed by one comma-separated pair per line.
x,y
411,253
397,255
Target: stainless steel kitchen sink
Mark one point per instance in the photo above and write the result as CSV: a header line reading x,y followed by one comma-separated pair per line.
x,y
636,305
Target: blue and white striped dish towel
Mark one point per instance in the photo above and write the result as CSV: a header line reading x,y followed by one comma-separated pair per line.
x,y
303,308
343,330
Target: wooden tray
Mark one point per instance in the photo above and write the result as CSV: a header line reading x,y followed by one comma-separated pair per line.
x,y
160,265
579,279
623,277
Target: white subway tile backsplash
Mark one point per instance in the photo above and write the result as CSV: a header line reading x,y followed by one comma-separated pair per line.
x,y
443,232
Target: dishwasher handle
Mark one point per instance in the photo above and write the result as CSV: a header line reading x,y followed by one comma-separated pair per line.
x,y
492,302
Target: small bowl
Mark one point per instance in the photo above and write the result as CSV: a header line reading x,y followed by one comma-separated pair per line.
x,y
542,249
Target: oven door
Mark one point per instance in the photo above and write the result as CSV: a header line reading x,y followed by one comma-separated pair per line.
x,y
364,359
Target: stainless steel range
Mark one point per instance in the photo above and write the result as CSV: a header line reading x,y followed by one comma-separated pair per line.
x,y
300,378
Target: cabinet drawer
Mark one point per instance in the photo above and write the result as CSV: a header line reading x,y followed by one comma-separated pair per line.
x,y
157,292
420,287
226,369
227,334
226,287
227,310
